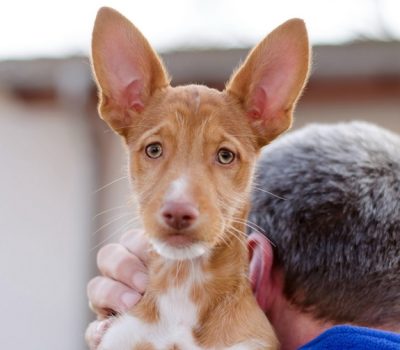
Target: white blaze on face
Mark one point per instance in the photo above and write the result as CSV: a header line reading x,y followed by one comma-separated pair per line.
x,y
178,190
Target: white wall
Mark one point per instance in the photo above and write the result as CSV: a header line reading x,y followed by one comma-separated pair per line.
x,y
46,174
384,112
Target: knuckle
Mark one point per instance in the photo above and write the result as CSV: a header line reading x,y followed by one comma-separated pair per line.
x,y
124,266
101,293
106,255
92,286
108,296
106,251
124,260
116,262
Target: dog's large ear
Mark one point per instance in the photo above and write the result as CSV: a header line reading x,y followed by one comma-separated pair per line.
x,y
271,79
126,68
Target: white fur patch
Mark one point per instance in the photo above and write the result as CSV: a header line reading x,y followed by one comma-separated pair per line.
x,y
177,190
197,100
183,253
178,318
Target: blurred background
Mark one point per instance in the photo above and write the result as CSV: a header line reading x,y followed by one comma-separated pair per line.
x,y
63,183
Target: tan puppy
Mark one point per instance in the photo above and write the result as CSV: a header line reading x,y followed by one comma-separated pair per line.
x,y
192,152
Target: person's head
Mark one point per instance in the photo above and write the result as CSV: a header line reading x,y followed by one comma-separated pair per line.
x,y
328,199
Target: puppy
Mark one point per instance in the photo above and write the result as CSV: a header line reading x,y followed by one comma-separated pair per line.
x,y
192,152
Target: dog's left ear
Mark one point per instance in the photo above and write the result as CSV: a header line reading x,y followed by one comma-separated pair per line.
x,y
270,81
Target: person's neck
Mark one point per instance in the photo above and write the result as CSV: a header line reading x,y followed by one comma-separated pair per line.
x,y
293,327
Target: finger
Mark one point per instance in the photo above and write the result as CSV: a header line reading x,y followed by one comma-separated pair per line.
x,y
95,332
116,262
90,336
107,295
137,244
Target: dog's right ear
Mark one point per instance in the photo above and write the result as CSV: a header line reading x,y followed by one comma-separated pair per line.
x,y
126,68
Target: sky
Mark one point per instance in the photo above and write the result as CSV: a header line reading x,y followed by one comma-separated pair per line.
x,y
43,28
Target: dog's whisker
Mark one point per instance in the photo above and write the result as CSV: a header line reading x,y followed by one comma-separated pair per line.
x,y
110,183
249,224
260,187
111,222
266,191
253,227
108,211
116,232
239,235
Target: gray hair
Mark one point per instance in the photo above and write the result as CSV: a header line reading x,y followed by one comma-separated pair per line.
x,y
333,216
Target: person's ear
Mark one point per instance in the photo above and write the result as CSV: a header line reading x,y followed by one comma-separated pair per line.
x,y
261,277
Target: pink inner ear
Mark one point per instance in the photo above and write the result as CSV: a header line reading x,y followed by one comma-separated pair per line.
x,y
257,103
123,71
128,95
271,95
132,96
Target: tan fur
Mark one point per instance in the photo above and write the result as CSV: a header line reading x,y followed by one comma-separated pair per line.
x,y
144,346
192,123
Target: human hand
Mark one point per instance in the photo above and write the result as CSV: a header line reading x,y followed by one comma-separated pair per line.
x,y
121,285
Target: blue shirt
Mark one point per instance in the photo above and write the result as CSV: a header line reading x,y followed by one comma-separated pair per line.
x,y
354,338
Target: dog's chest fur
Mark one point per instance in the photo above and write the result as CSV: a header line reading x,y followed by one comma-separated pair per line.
x,y
178,317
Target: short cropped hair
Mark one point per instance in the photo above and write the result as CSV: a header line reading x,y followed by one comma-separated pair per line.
x,y
328,198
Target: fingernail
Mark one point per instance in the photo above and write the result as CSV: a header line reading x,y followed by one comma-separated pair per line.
x,y
129,299
140,281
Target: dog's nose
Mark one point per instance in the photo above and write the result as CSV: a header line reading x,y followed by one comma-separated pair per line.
x,y
179,215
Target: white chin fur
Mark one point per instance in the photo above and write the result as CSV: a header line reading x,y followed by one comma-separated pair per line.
x,y
185,253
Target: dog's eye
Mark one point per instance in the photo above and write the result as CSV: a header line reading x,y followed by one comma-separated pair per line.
x,y
225,156
154,150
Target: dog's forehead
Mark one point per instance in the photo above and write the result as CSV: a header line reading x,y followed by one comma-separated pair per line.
x,y
195,103
195,99
195,112
198,107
